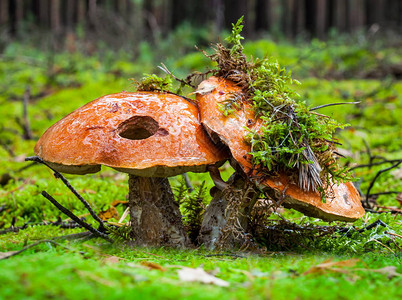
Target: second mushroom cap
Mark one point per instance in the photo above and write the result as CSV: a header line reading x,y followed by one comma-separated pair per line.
x,y
343,200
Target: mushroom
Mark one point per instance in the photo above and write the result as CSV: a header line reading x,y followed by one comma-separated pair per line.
x,y
150,136
343,200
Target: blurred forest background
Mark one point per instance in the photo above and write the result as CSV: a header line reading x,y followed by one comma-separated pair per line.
x,y
117,21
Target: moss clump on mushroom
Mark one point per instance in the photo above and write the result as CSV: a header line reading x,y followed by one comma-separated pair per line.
x,y
292,136
152,82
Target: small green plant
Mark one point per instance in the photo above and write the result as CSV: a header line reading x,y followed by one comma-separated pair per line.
x,y
193,207
152,82
121,234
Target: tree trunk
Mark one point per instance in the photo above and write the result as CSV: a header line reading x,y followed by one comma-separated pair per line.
x,y
4,16
226,220
154,214
321,18
55,20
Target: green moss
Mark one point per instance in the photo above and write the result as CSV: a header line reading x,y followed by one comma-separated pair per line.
x,y
292,136
152,82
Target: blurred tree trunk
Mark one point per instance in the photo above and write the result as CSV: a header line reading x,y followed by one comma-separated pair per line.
x,y
250,17
81,12
55,20
261,16
340,13
394,13
44,13
321,18
69,14
136,18
218,14
160,16
92,12
122,9
4,16
356,14
19,13
299,17
275,10
288,17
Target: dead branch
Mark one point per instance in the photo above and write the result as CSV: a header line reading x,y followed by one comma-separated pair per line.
x,y
367,204
332,104
75,218
70,187
182,82
14,253
372,225
6,147
369,165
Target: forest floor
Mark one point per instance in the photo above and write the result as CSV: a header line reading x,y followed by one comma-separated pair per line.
x,y
354,264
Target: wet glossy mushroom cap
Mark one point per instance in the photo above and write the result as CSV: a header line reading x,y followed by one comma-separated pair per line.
x,y
343,200
147,134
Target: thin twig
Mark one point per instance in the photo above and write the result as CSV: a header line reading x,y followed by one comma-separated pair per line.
x,y
368,152
57,223
224,254
166,70
7,148
188,182
372,225
14,253
385,193
332,104
375,178
375,164
71,188
26,167
394,234
75,218
73,236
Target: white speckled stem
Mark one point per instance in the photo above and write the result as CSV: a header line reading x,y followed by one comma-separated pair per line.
x,y
154,214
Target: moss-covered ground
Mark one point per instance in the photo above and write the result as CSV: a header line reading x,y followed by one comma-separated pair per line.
x,y
369,263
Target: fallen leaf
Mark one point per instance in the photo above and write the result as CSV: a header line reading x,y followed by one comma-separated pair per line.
x,y
152,266
88,191
112,259
390,271
199,275
109,214
93,277
204,88
397,173
117,202
4,255
332,266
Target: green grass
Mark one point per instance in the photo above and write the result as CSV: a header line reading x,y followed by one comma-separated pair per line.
x,y
276,271
87,271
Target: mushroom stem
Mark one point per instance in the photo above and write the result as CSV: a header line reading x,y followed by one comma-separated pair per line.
x,y
154,214
226,221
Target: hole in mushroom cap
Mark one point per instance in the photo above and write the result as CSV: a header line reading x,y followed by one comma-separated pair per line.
x,y
139,128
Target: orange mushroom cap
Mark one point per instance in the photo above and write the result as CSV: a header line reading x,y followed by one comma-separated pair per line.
x,y
148,134
343,200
